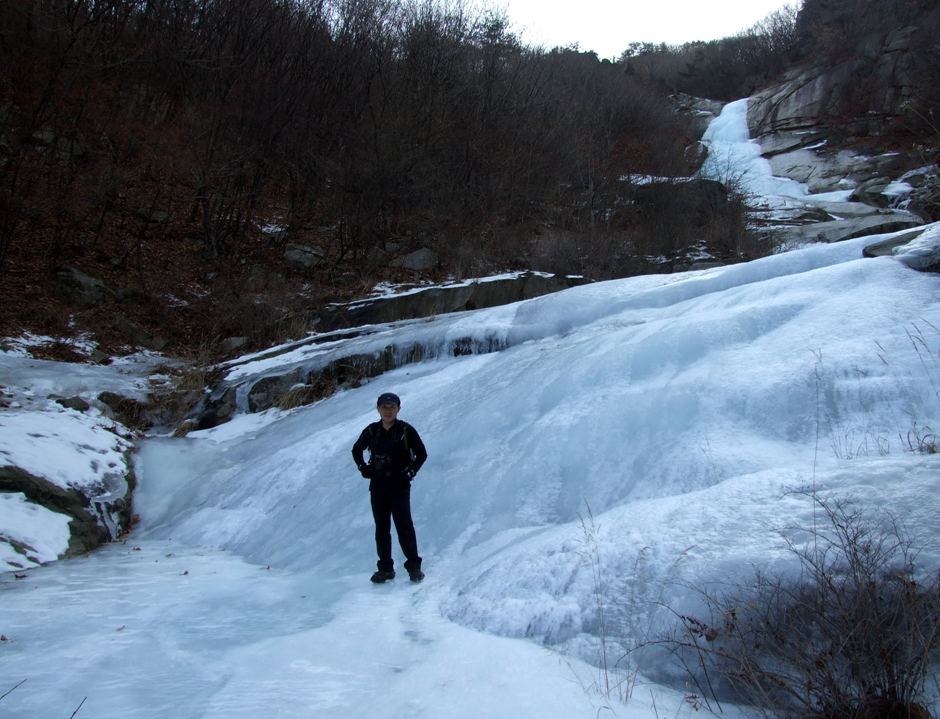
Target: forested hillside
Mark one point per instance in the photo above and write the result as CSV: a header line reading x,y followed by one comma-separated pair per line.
x,y
173,152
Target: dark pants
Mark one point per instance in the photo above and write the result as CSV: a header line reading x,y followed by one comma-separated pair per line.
x,y
393,501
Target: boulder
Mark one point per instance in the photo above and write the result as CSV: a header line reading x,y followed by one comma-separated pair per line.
x,y
154,217
230,344
148,103
838,230
79,290
778,143
76,403
378,257
262,279
49,140
264,393
220,406
127,410
699,111
301,257
423,259
825,170
94,521
922,252
885,248
274,235
138,335
872,192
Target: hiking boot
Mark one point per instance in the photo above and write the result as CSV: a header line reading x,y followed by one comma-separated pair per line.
x,y
382,576
416,575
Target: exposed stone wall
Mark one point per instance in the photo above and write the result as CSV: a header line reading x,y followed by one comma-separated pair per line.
x,y
446,299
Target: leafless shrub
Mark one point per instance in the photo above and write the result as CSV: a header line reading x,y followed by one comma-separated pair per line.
x,y
853,634
925,200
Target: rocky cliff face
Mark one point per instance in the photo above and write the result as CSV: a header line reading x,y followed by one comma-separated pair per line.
x,y
849,119
828,97
871,69
869,84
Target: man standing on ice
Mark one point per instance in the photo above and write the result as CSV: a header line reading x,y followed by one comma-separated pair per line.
x,y
396,453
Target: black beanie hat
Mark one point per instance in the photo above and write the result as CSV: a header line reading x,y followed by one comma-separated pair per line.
x,y
388,398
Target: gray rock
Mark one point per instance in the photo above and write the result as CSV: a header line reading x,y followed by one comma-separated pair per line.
x,y
219,408
154,217
778,143
147,102
76,403
230,344
138,335
899,39
301,257
263,278
98,357
275,236
130,294
264,393
921,176
127,410
446,299
872,192
825,170
64,147
423,259
800,102
45,137
91,522
79,290
847,210
885,248
839,230
699,111
378,257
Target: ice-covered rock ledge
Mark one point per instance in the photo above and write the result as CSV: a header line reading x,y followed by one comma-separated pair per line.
x,y
65,485
66,478
382,333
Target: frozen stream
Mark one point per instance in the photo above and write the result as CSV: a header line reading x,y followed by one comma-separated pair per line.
x,y
677,411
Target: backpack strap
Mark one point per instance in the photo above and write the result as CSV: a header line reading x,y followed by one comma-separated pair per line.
x,y
404,436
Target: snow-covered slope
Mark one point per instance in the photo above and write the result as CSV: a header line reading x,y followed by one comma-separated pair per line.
x,y
641,431
637,390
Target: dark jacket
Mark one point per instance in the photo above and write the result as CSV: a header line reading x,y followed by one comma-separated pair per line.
x,y
395,454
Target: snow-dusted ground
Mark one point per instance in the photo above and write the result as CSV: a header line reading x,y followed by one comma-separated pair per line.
x,y
650,427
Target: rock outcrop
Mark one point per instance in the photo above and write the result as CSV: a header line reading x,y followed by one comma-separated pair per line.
x,y
80,290
445,299
827,95
815,123
94,520
327,368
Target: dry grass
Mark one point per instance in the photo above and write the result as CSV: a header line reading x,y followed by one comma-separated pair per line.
x,y
302,395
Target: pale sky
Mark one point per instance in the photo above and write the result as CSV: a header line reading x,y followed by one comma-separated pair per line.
x,y
608,26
